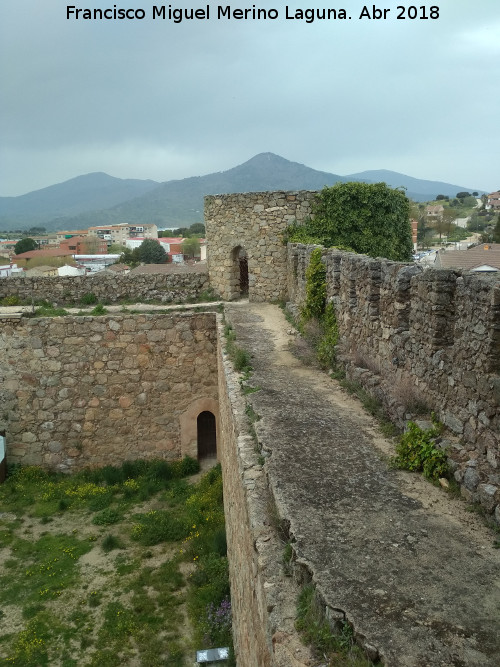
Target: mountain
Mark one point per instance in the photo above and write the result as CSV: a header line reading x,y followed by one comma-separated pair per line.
x,y
90,192
101,199
417,189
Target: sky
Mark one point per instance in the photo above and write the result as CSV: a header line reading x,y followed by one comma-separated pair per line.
x,y
162,100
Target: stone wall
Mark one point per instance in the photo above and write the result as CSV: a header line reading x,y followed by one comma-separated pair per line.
x,y
93,391
165,287
242,490
253,222
263,600
418,339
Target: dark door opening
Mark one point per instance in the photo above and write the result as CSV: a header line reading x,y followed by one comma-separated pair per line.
x,y
207,436
243,262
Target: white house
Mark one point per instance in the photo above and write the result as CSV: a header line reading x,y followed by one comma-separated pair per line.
x,y
8,270
68,270
95,263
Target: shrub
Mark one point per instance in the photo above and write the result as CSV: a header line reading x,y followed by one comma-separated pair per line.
x,y
99,310
106,517
158,526
88,299
241,360
11,301
416,451
110,542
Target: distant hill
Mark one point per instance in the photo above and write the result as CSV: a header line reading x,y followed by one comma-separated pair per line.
x,y
417,189
91,192
101,199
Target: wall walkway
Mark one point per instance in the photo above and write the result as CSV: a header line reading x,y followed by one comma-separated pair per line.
x,y
387,551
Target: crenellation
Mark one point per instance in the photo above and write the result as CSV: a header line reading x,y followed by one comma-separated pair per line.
x,y
436,337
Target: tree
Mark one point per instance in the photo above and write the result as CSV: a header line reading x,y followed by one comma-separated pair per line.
x,y
181,231
369,218
130,257
25,245
496,231
197,229
35,231
151,252
444,224
191,246
462,195
116,249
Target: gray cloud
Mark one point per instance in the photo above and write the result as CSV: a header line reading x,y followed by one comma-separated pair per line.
x,y
156,100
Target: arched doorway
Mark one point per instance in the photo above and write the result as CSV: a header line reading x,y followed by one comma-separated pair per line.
x,y
206,435
243,267
240,272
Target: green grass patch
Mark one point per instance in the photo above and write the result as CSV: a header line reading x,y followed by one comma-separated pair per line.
x,y
116,608
42,570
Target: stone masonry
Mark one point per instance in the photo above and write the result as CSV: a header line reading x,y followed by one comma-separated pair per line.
x,y
253,222
411,338
94,391
422,338
165,287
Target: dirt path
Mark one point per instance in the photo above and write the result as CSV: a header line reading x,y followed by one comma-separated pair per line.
x,y
413,571
433,499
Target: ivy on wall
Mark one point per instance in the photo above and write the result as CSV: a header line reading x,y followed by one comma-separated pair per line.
x,y
314,305
316,309
368,218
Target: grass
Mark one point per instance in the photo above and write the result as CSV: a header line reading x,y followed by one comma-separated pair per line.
x,y
370,404
74,593
336,648
241,358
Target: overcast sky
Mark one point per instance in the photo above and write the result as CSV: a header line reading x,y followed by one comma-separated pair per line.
x,y
153,99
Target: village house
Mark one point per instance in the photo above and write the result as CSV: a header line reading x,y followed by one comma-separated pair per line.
x,y
493,201
484,258
41,272
8,270
119,234
80,245
434,210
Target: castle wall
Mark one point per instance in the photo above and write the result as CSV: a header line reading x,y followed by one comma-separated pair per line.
x,y
67,290
255,222
244,493
421,337
93,391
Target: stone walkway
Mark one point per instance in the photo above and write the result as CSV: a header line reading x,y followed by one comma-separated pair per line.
x,y
416,576
17,311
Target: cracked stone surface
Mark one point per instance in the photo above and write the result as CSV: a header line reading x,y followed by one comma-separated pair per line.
x,y
416,576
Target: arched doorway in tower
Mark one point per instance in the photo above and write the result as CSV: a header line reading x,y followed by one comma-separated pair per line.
x,y
206,435
240,271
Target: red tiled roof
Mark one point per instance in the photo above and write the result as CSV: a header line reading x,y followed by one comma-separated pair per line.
x,y
487,254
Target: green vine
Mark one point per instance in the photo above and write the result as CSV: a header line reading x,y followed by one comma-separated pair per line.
x,y
316,309
369,218
325,349
314,305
